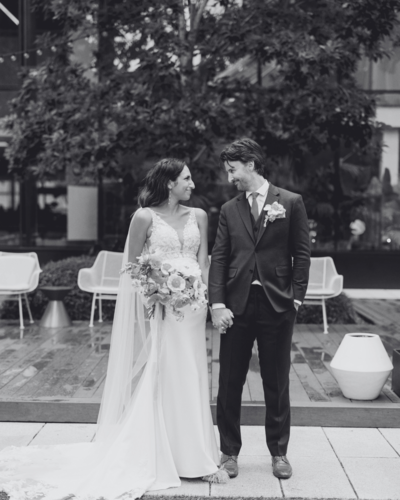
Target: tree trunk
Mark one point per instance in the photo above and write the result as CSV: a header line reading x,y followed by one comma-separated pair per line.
x,y
188,39
337,194
259,117
106,52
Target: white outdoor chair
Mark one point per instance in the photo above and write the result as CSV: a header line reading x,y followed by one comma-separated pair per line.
x,y
324,283
101,279
19,275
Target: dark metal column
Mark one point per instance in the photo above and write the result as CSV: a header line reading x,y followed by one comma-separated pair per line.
x,y
28,194
27,33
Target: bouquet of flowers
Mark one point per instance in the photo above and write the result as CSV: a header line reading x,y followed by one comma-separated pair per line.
x,y
175,283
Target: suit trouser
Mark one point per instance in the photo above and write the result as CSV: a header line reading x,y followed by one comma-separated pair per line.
x,y
273,332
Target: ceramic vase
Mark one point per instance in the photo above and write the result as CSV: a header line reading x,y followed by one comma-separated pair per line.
x,y
361,366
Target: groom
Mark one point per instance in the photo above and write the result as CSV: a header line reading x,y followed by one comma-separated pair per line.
x,y
258,279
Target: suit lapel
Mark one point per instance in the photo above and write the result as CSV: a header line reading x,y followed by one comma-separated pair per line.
x,y
272,196
242,205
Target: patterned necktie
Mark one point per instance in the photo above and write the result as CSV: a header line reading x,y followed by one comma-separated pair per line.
x,y
254,206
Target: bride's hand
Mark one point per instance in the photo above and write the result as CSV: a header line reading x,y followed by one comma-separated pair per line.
x,y
222,319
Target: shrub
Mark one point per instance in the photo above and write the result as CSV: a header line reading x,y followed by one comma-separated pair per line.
x,y
339,310
61,273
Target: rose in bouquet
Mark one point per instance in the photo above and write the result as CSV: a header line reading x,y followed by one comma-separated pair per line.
x,y
175,283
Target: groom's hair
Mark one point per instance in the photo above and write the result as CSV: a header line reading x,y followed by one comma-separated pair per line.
x,y
245,150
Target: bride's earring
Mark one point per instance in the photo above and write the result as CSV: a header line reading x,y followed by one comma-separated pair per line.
x,y
169,198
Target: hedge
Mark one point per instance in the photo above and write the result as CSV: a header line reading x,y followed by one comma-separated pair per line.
x,y
338,310
61,273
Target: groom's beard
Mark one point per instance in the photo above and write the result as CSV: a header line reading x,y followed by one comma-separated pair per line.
x,y
238,186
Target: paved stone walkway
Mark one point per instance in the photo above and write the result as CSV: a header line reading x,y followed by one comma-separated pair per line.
x,y
328,462
372,293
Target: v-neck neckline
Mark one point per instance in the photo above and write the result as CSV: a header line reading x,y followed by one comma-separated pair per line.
x,y
182,243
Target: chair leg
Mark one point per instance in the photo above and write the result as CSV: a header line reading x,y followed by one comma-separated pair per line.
x,y
324,316
28,307
100,310
21,315
92,311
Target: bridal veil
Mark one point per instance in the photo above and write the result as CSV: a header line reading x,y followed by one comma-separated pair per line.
x,y
130,453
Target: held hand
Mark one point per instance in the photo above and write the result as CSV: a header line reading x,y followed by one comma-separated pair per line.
x,y
222,319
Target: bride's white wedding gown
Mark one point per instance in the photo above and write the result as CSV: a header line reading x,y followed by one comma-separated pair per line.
x,y
166,430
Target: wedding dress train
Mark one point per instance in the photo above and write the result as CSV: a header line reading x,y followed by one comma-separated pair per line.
x,y
155,423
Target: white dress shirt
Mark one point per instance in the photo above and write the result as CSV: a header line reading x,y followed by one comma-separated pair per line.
x,y
262,195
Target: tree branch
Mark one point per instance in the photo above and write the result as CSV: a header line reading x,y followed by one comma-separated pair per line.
x,y
182,23
199,15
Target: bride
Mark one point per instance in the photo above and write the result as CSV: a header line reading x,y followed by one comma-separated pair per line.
x,y
155,424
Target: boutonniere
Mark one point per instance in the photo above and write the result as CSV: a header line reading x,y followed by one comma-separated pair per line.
x,y
274,211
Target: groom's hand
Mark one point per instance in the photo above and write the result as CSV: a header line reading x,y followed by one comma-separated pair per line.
x,y
222,318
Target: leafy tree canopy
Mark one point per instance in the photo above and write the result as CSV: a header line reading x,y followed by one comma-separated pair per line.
x,y
164,83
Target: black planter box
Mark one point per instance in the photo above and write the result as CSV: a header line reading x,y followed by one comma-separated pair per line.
x,y
396,372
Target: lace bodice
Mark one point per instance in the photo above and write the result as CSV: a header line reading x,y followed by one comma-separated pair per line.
x,y
164,239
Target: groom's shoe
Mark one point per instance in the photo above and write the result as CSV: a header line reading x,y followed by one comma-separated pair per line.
x,y
229,463
281,467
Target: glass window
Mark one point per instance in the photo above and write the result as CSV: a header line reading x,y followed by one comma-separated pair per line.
x,y
382,77
51,212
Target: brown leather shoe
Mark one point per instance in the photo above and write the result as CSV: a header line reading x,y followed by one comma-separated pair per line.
x,y
281,467
229,463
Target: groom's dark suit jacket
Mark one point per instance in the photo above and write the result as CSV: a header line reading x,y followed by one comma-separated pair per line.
x,y
281,252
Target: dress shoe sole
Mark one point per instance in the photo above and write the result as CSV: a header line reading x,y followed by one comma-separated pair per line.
x,y
230,474
280,476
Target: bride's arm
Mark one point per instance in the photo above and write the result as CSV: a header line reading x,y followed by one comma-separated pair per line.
x,y
138,233
202,254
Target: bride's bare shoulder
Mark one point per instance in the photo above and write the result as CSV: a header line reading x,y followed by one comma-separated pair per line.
x,y
142,217
200,214
201,217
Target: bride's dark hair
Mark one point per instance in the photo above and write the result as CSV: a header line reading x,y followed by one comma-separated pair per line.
x,y
155,189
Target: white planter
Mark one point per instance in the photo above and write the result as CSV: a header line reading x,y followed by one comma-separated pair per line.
x,y
361,366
